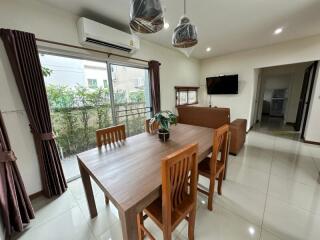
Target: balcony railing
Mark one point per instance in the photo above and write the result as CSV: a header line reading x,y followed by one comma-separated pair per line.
x,y
75,127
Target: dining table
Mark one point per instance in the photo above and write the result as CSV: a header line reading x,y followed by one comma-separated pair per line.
x,y
129,173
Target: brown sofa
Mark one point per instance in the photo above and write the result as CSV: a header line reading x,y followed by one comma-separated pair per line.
x,y
214,118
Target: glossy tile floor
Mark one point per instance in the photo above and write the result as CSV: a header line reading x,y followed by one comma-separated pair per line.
x,y
271,193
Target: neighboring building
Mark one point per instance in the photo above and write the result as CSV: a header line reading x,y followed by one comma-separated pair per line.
x,y
92,74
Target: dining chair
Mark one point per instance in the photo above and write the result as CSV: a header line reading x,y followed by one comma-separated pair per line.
x,y
151,128
227,155
212,167
178,200
110,135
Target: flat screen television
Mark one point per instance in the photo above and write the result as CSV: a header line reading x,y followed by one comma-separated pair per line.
x,y
222,84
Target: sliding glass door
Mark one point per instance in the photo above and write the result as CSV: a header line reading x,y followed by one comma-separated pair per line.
x,y
86,95
131,97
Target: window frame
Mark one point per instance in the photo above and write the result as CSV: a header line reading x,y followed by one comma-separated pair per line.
x,y
187,89
90,81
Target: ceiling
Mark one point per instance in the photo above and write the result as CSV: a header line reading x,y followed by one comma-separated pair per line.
x,y
224,25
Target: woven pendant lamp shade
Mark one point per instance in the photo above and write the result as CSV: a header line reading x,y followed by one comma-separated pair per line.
x,y
146,16
185,34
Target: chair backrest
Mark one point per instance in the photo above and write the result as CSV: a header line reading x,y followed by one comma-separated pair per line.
x,y
151,128
176,169
110,135
220,145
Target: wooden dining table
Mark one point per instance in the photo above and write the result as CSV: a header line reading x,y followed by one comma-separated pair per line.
x,y
129,173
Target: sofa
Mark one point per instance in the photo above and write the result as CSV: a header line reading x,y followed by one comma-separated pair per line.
x,y
214,118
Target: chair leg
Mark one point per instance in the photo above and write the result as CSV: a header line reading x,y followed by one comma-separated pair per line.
x,y
106,199
167,233
192,222
220,180
140,222
211,192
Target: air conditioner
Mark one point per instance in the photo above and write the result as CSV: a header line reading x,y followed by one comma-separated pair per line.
x,y
95,34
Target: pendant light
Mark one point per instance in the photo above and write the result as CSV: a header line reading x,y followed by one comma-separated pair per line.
x,y
185,34
146,16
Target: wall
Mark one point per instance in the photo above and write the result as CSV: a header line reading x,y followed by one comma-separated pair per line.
x,y
57,25
312,126
244,63
2,237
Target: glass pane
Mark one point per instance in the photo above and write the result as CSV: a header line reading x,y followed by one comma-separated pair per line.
x,y
79,101
192,97
132,97
183,97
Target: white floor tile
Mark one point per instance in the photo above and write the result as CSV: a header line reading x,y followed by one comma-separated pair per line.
x,y
295,193
67,226
266,235
249,177
289,222
47,209
242,200
222,225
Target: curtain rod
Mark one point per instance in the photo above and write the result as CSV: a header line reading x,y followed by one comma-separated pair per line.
x,y
89,49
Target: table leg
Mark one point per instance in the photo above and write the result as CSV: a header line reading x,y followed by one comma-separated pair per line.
x,y
88,190
129,224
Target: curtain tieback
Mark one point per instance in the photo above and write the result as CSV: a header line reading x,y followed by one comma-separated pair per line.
x,y
42,136
7,156
45,136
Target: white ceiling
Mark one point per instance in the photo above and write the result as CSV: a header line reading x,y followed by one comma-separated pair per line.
x,y
224,25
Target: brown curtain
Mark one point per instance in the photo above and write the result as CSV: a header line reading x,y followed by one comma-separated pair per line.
x,y
154,73
15,204
23,55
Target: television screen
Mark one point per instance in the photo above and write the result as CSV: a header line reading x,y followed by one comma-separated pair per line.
x,y
222,84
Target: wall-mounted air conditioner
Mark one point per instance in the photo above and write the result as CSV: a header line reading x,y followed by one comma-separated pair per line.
x,y
95,34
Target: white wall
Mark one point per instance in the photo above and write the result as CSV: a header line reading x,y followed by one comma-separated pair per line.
x,y
312,127
57,25
1,230
244,63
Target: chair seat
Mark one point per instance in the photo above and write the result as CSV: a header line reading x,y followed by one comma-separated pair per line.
x,y
204,167
154,211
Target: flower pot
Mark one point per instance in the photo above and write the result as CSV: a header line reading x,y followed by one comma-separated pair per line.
x,y
163,135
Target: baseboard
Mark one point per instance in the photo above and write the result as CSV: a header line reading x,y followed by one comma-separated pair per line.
x,y
249,129
36,195
311,142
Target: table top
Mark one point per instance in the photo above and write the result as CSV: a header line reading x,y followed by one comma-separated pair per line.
x,y
130,171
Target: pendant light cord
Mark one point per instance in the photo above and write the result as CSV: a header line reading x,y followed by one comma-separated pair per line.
x,y
185,8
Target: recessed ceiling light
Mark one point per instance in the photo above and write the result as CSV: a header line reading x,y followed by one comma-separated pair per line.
x,y
166,25
208,49
278,31
251,230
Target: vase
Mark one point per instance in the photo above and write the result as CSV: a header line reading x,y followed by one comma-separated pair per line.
x,y
163,135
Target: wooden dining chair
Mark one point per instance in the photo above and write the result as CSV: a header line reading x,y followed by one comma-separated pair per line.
x,y
179,199
110,135
212,167
151,128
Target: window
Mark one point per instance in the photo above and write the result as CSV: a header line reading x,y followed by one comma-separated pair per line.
x,y
131,94
92,83
105,83
186,95
82,98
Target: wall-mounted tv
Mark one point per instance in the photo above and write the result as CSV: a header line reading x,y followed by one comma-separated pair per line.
x,y
227,84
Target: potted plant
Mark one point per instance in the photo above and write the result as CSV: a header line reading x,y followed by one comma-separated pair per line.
x,y
164,119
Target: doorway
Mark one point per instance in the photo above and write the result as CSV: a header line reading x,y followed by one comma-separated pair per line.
x,y
283,94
